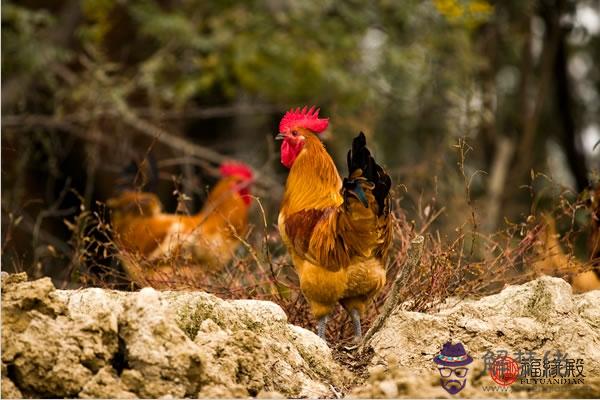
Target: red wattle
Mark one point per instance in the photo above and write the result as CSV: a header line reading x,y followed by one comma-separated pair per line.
x,y
289,152
245,194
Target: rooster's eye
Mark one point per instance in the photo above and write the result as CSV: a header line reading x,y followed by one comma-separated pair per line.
x,y
295,133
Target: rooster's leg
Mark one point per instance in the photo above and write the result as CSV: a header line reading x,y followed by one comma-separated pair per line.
x,y
356,322
321,325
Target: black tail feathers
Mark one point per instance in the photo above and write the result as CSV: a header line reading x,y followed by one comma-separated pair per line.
x,y
359,157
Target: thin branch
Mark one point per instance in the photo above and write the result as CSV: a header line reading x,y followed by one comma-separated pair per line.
x,y
178,143
412,260
162,136
28,121
29,225
431,220
207,113
70,123
52,211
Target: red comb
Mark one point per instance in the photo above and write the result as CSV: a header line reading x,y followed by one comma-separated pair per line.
x,y
231,168
303,119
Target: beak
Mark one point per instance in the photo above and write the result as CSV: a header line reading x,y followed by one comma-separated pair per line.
x,y
280,136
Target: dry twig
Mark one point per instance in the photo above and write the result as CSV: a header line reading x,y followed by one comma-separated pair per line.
x,y
412,260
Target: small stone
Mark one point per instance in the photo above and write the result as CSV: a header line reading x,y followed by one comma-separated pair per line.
x,y
269,395
389,388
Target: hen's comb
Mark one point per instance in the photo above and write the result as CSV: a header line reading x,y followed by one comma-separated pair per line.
x,y
304,118
231,168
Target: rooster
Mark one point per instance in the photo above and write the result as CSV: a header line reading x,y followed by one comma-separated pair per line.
x,y
166,250
337,231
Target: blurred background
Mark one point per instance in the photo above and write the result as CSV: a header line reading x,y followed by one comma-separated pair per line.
x,y
482,111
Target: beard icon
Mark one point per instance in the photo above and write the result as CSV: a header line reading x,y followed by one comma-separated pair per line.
x,y
453,386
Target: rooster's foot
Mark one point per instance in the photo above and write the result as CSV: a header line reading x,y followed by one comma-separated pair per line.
x,y
322,324
357,328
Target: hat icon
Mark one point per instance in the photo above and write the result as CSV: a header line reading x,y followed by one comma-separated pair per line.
x,y
453,355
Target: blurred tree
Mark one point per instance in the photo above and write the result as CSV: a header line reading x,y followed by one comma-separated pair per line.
x,y
90,84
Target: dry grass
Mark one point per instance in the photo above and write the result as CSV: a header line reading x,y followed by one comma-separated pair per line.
x,y
456,263
470,264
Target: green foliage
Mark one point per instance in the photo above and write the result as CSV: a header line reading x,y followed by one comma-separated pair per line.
x,y
283,53
357,57
26,48
246,48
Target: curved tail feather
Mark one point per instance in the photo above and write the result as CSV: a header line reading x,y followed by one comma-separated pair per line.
x,y
365,173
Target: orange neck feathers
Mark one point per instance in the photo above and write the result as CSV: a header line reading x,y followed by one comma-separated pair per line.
x,y
224,195
313,181
224,203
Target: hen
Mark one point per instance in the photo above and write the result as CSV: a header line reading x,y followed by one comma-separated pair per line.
x,y
337,231
166,250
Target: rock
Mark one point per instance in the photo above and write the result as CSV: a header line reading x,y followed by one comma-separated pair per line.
x,y
394,381
9,390
51,353
540,316
11,279
97,343
269,395
388,388
106,385
219,391
168,361
244,341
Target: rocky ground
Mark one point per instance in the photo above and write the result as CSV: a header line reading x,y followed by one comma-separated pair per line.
x,y
540,316
102,343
